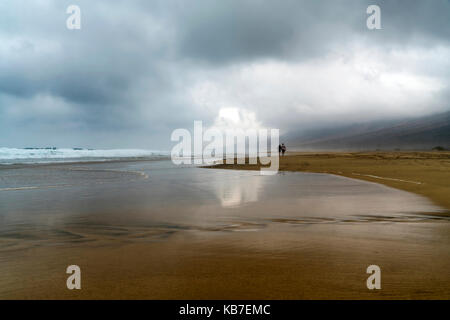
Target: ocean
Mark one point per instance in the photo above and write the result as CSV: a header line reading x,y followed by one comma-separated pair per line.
x,y
56,155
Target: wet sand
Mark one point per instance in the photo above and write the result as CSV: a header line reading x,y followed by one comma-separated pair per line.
x,y
424,173
150,231
323,263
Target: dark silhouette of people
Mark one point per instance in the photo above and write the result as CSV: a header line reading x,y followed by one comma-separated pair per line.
x,y
283,149
279,149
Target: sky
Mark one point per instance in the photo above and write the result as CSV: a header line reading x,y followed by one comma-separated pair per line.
x,y
139,69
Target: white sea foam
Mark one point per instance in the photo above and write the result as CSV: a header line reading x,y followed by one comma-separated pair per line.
x,y
40,155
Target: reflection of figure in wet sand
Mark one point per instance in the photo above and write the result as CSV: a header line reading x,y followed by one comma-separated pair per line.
x,y
283,149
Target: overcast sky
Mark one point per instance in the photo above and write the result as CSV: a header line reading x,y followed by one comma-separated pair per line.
x,y
137,70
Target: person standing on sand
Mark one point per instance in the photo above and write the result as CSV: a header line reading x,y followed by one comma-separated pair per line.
x,y
283,149
279,149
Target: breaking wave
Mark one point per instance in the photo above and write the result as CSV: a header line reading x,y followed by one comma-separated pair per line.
x,y
49,155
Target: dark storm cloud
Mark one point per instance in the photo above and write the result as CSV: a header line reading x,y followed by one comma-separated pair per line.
x,y
95,69
417,20
130,69
223,31
236,30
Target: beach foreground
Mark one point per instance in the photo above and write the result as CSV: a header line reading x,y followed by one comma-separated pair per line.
x,y
149,230
324,263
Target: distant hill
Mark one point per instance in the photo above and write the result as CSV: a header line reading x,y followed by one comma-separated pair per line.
x,y
409,134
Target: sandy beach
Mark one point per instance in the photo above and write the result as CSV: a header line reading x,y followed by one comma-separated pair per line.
x,y
148,230
327,263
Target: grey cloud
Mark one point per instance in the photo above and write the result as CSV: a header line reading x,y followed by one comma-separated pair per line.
x,y
130,67
224,31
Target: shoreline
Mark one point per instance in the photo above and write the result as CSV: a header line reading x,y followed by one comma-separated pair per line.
x,y
423,173
23,165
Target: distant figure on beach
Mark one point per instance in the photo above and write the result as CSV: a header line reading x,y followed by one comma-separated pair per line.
x,y
279,149
283,149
